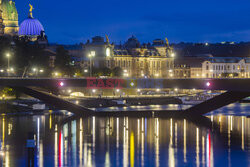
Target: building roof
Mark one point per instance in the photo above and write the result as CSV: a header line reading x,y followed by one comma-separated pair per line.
x,y
189,61
224,59
120,52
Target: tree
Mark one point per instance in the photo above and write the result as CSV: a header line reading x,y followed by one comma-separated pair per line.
x,y
117,72
62,62
106,71
97,72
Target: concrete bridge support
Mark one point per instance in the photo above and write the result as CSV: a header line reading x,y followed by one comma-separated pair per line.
x,y
56,101
216,102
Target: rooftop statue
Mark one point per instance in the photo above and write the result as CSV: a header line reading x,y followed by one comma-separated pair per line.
x,y
167,41
107,38
31,9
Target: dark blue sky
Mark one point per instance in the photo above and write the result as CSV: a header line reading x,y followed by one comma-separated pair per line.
x,y
75,21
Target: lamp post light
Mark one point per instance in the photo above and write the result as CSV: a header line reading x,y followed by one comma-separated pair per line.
x,y
35,71
8,57
173,54
91,55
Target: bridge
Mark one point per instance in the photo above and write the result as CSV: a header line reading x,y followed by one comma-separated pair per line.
x,y
236,89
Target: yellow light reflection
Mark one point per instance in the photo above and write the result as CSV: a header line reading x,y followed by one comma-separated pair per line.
x,y
50,121
7,156
203,150
107,159
212,118
171,159
138,131
9,128
185,141
197,148
176,131
3,133
132,149
229,132
231,123
243,133
41,154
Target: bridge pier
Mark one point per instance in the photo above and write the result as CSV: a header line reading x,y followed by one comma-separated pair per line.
x,y
56,101
216,102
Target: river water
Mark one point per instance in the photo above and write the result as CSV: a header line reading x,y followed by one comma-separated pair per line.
x,y
125,141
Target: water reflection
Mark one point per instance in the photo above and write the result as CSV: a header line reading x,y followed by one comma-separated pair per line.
x,y
126,141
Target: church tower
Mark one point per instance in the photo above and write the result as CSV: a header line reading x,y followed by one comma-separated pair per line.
x,y
10,17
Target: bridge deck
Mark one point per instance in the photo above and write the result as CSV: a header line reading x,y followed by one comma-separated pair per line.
x,y
214,84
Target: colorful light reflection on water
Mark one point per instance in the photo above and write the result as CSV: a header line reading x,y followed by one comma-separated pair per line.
x,y
125,141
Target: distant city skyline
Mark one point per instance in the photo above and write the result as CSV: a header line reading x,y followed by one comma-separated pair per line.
x,y
67,22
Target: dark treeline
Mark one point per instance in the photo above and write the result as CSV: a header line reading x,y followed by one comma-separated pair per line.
x,y
26,56
217,49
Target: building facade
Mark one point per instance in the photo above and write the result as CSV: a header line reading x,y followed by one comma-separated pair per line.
x,y
10,17
1,24
212,67
136,60
226,67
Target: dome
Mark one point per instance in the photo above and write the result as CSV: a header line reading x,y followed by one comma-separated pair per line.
x,y
132,42
31,27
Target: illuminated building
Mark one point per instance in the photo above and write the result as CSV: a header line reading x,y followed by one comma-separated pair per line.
x,y
135,60
10,17
99,50
221,67
1,24
212,67
32,29
188,67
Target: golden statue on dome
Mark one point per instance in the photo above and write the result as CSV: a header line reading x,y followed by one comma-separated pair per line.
x,y
31,9
107,38
167,41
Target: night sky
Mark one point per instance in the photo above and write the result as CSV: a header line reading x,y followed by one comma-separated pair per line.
x,y
74,21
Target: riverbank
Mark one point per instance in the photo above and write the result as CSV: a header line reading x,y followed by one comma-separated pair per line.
x,y
125,101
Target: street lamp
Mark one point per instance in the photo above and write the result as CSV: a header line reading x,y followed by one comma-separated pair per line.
x,y
8,57
91,55
172,54
35,71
